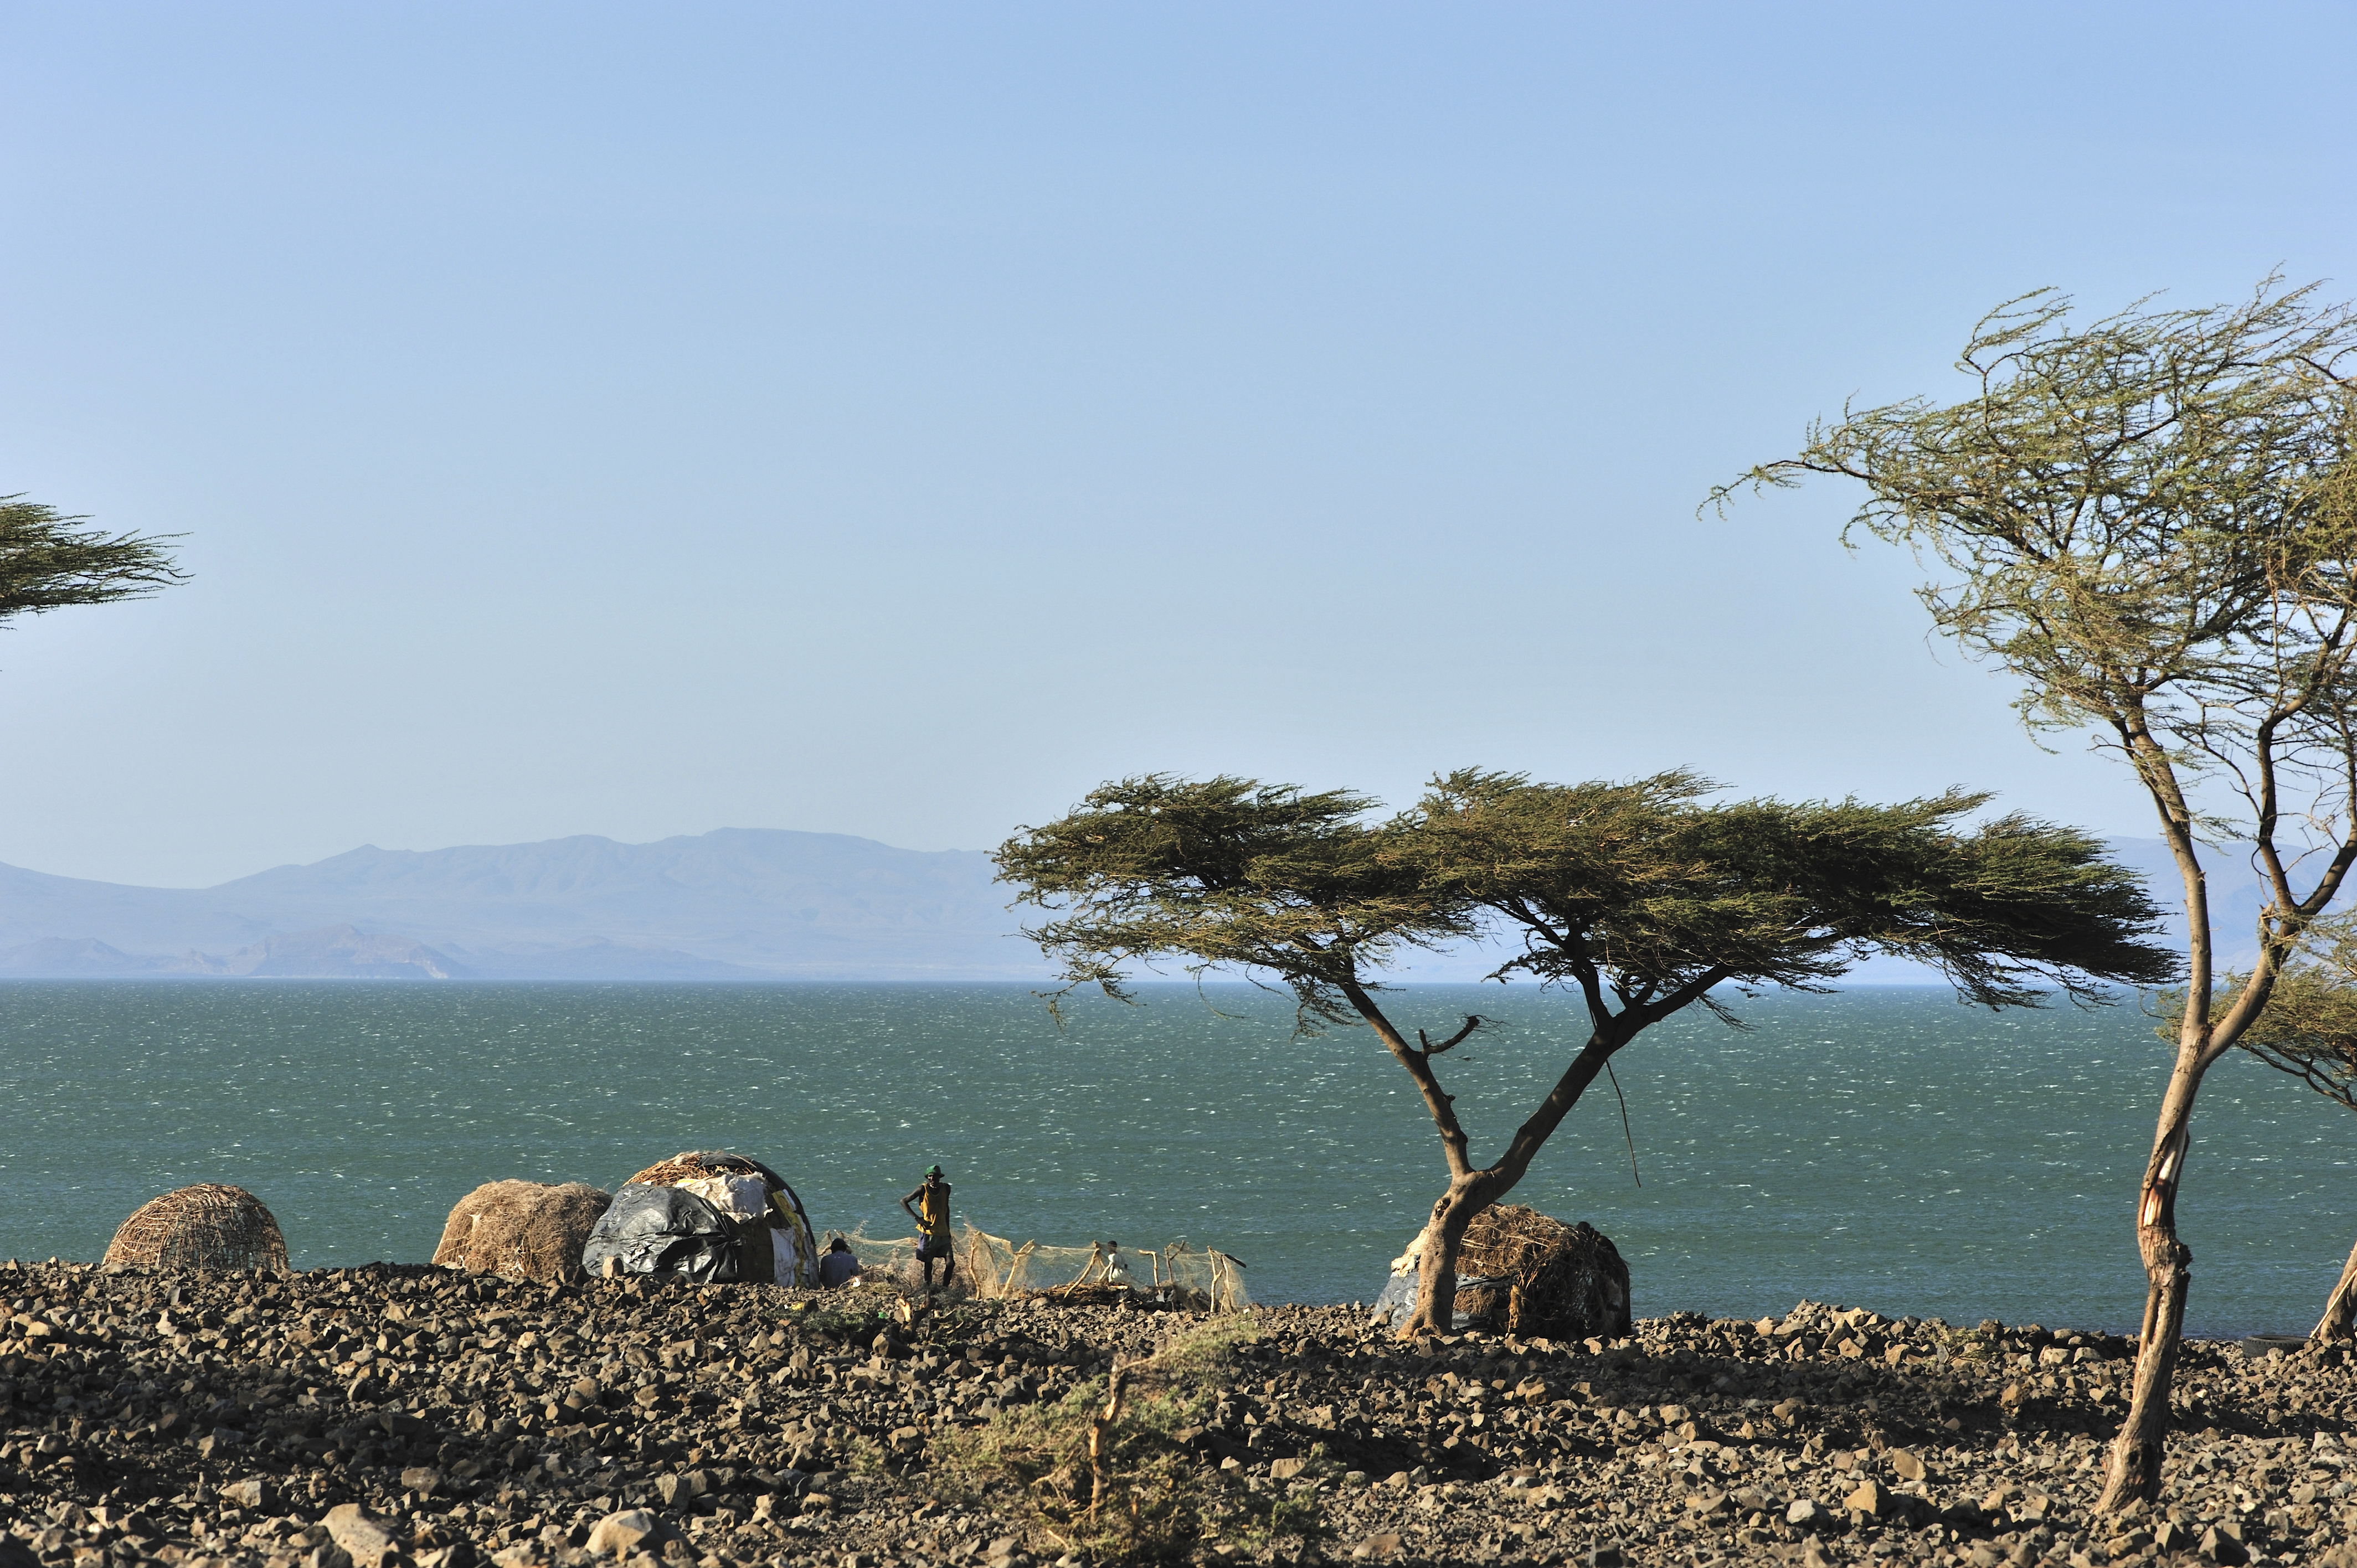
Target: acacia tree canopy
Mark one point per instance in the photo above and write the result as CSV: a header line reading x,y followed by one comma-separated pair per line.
x,y
1226,874
1646,891
1644,895
47,563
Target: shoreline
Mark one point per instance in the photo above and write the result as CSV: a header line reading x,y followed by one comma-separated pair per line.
x,y
199,1419
2225,1337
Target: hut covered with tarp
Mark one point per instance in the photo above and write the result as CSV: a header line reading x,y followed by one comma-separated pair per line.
x,y
708,1217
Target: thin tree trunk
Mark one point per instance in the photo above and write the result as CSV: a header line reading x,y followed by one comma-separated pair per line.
x,y
1443,1233
2168,1263
2168,1272
2200,1041
2339,1319
1101,1423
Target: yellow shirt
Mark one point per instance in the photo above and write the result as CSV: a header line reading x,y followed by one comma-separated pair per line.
x,y
933,1209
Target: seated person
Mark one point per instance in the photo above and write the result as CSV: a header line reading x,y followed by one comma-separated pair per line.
x,y
837,1265
1117,1268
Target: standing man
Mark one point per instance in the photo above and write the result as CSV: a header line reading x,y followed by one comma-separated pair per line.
x,y
929,1205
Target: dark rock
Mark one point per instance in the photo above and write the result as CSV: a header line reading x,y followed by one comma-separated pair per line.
x,y
2218,1546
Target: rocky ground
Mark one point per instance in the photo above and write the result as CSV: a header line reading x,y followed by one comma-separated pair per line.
x,y
405,1414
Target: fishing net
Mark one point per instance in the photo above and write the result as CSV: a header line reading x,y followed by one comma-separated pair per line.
x,y
1548,1278
708,1175
208,1226
521,1229
993,1268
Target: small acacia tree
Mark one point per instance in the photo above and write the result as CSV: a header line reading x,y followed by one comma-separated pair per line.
x,y
1644,896
2309,1029
2150,522
47,563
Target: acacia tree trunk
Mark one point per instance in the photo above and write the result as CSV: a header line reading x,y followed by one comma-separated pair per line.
x,y
1436,1285
2200,1041
2167,1262
2169,1272
2339,1319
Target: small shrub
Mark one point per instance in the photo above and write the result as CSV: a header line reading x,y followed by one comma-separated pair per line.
x,y
1297,1513
1142,1498
1974,1344
845,1319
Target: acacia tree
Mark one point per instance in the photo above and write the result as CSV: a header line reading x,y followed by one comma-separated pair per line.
x,y
2308,1029
2149,523
1644,896
47,563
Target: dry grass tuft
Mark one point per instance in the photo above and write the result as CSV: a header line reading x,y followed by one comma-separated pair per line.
x,y
693,1167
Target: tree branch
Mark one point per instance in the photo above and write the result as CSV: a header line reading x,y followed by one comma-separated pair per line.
x,y
1472,1023
1438,1100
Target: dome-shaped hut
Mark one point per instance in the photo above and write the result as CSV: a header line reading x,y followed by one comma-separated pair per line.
x,y
208,1226
758,1204
521,1229
1546,1277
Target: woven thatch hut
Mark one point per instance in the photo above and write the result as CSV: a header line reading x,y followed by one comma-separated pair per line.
x,y
521,1230
1565,1281
208,1226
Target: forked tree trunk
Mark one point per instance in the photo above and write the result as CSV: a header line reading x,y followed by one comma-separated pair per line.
x,y
2169,1272
1471,1191
1443,1233
2340,1307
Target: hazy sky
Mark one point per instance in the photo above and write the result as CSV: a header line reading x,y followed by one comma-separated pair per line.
x,y
893,420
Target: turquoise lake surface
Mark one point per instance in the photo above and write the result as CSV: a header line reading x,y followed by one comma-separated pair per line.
x,y
1878,1148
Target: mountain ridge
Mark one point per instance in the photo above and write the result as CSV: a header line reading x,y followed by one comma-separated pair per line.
x,y
735,903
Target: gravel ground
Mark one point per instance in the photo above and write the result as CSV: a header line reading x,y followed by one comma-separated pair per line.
x,y
397,1415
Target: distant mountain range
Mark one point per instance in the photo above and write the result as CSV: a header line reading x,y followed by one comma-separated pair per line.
x,y
736,903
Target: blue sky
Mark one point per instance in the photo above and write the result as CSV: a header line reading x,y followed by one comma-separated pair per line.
x,y
642,420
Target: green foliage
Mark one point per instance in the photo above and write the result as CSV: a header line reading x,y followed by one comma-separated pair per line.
x,y
1650,890
1225,874
856,1324
2152,521
2141,513
2309,1027
1294,1514
1159,1501
47,562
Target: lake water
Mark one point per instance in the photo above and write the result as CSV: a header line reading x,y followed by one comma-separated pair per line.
x,y
1880,1147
